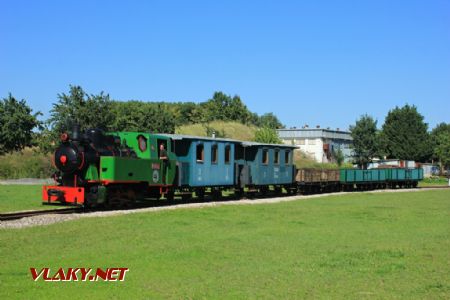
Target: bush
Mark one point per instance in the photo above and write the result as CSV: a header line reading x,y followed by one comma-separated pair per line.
x,y
303,161
25,164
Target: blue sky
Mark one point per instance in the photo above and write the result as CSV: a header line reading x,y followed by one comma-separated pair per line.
x,y
309,62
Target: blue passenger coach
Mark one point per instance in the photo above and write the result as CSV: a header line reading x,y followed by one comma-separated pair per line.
x,y
203,161
266,164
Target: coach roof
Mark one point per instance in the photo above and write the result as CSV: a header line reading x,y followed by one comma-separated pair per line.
x,y
204,138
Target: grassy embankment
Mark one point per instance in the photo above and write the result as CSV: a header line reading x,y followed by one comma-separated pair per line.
x,y
376,245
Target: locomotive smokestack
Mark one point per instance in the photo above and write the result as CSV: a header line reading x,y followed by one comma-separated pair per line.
x,y
76,132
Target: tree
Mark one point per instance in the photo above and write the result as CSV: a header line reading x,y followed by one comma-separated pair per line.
x,y
442,150
77,107
270,120
225,108
267,135
339,156
440,137
142,116
365,144
404,135
16,124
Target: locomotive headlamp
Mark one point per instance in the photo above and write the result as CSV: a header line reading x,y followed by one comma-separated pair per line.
x,y
63,159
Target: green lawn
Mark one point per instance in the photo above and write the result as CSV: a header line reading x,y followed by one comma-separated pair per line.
x,y
434,181
21,197
380,245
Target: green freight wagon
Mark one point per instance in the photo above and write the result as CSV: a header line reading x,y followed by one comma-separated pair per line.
x,y
351,179
402,177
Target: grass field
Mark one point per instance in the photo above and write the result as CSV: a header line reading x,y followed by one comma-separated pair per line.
x,y
434,181
21,197
380,245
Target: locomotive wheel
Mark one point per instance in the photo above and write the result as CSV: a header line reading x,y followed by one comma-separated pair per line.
x,y
117,198
114,199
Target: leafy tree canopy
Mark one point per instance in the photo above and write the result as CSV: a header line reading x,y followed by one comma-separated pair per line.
x,y
77,107
440,141
404,135
365,140
142,116
16,124
269,120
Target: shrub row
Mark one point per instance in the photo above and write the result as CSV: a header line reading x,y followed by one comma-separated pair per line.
x,y
25,164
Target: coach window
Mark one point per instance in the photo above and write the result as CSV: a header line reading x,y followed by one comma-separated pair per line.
x,y
287,155
200,152
214,154
227,154
142,141
265,156
276,157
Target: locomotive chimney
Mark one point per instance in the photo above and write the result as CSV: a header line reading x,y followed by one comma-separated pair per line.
x,y
76,132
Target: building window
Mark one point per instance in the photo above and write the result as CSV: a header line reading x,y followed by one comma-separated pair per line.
x,y
227,154
142,141
276,157
214,154
287,157
301,141
311,142
200,152
265,156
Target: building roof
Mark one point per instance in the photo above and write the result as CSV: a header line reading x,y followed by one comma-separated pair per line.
x,y
314,133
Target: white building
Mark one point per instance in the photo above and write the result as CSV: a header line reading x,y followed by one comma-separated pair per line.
x,y
318,143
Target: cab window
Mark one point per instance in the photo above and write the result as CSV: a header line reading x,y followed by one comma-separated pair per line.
x,y
142,141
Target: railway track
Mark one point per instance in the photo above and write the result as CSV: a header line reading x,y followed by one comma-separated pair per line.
x,y
24,214
32,213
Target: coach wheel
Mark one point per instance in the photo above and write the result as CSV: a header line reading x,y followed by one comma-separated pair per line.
x,y
217,194
200,193
170,195
278,190
238,193
186,196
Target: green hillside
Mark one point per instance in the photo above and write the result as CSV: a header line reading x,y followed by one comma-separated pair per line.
x,y
232,130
